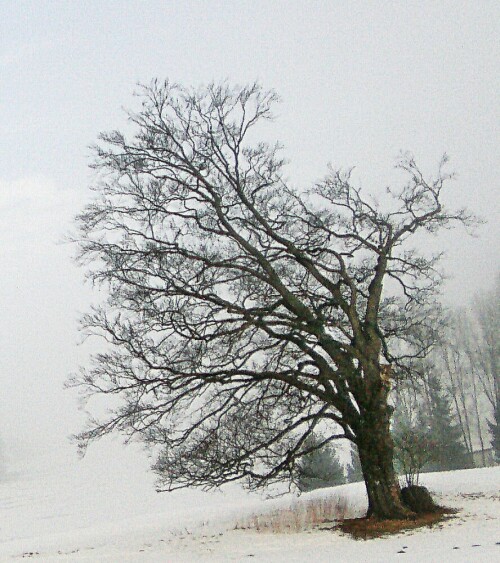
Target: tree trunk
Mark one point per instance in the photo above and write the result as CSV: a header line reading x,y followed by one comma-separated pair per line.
x,y
376,453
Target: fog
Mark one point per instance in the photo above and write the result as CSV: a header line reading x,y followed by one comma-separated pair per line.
x,y
359,82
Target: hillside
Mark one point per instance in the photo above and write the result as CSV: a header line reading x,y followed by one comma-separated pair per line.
x,y
95,511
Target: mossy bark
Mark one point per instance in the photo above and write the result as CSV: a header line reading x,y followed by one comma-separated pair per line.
x,y
376,453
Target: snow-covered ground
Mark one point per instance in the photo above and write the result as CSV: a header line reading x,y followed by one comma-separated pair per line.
x,y
98,510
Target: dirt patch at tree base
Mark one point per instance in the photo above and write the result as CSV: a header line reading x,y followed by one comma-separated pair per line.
x,y
369,528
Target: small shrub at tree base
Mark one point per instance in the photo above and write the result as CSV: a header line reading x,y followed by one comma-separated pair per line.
x,y
413,450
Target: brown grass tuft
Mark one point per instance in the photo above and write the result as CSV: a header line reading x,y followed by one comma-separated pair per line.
x,y
300,516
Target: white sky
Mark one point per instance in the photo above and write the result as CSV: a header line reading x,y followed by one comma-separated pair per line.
x,y
360,81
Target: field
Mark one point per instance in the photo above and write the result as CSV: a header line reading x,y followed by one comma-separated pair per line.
x,y
98,511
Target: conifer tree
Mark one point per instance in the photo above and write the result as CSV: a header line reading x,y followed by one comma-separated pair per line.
x,y
494,426
354,471
443,432
320,467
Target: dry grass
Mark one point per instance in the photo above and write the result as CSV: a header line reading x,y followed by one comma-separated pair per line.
x,y
331,513
300,516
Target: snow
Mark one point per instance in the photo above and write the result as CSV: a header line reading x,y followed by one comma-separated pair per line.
x,y
103,509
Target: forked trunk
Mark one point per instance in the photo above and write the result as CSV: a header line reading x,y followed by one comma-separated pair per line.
x,y
376,452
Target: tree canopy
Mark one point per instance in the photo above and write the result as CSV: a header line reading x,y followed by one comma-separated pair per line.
x,y
242,313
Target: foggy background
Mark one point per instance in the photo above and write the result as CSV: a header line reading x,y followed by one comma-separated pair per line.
x,y
359,81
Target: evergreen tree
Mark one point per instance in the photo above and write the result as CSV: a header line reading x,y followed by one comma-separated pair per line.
x,y
319,468
354,471
443,433
425,434
494,426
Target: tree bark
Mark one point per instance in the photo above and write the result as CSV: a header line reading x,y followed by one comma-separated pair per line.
x,y
376,453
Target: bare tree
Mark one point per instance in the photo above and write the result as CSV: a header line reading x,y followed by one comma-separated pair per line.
x,y
465,334
487,356
458,385
243,313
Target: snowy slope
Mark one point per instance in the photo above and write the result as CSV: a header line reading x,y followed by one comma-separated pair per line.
x,y
98,510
